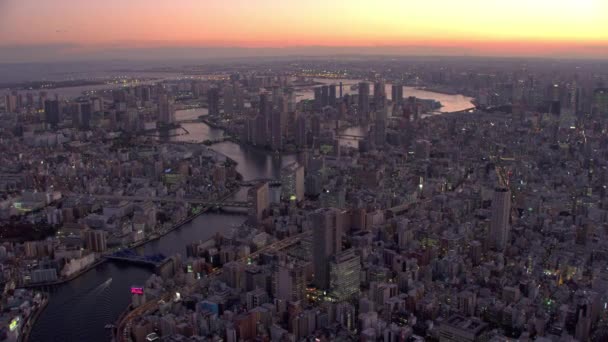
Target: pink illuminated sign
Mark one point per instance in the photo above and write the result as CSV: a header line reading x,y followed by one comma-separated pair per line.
x,y
137,290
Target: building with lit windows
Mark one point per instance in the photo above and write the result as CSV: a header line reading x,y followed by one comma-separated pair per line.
x,y
600,99
345,275
292,180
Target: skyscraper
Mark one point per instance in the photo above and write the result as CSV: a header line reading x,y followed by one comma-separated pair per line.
x,y
318,100
238,98
276,132
600,99
234,274
379,94
363,108
260,136
301,131
85,113
41,99
324,96
315,125
20,101
292,179
228,100
327,226
397,93
265,105
10,103
332,95
259,196
290,281
556,108
213,101
345,275
379,129
166,113
499,224
29,100
51,112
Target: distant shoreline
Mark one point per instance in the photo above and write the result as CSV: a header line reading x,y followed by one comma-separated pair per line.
x,y
50,85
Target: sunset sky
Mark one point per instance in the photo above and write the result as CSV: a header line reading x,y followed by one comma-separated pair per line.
x,y
73,28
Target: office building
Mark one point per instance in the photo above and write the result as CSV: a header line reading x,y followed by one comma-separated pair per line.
x,y
290,281
584,321
301,131
327,230
600,99
345,275
315,126
363,105
461,329
379,127
166,113
239,99
499,224
292,182
42,97
276,130
422,149
332,95
10,103
265,105
260,130
259,197
43,275
324,96
213,101
51,112
85,114
318,99
256,298
228,100
397,93
29,100
335,198
95,240
379,94
233,274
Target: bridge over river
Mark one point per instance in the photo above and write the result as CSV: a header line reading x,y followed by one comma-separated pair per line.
x,y
191,200
129,255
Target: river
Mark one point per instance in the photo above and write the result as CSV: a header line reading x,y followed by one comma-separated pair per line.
x,y
79,309
450,103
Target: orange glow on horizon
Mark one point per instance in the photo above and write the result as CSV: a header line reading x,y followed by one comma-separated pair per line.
x,y
477,25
